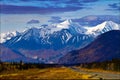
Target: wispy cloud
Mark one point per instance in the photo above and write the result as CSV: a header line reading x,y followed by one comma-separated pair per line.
x,y
114,6
15,13
93,20
11,9
42,6
89,1
33,21
55,19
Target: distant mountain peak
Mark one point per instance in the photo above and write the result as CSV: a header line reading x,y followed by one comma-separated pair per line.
x,y
31,31
65,24
67,21
102,28
44,32
108,22
8,35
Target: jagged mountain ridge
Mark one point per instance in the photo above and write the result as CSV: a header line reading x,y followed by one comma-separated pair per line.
x,y
6,36
47,38
105,47
68,24
58,38
102,28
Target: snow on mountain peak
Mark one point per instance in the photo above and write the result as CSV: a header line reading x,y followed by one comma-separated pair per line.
x,y
31,32
7,36
44,32
64,24
67,22
103,27
114,25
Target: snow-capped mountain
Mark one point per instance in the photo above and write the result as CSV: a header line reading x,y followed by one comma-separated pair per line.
x,y
106,47
55,36
73,27
63,34
59,38
102,28
6,36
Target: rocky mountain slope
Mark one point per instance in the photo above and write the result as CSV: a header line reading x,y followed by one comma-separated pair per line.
x,y
105,47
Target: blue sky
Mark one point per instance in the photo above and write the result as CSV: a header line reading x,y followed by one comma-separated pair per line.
x,y
19,14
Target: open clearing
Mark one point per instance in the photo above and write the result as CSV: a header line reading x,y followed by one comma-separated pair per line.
x,y
58,73
47,73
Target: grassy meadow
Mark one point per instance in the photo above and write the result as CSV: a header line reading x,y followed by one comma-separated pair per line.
x,y
46,73
22,70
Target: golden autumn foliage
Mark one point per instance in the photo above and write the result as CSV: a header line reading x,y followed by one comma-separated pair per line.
x,y
47,73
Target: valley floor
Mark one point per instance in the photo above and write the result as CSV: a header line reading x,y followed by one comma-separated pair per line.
x,y
59,73
47,73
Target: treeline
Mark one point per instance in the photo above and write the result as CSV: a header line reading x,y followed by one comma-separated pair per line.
x,y
113,65
9,66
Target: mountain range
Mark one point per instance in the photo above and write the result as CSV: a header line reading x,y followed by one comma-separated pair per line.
x,y
105,47
51,42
